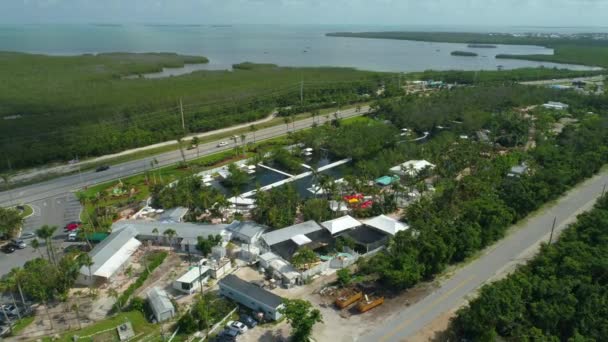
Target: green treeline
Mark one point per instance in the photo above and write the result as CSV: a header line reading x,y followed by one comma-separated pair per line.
x,y
475,201
57,108
576,50
560,295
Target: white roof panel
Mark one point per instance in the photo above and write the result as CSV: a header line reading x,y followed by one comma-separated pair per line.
x,y
192,274
341,224
118,259
301,240
386,224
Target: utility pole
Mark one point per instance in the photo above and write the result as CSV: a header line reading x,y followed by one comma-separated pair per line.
x,y
181,109
552,229
302,92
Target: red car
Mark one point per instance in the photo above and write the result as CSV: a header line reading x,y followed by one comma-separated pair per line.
x,y
72,226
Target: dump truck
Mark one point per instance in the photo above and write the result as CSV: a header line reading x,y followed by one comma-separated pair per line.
x,y
348,297
369,303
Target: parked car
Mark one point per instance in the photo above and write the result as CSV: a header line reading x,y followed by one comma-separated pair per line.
x,y
8,249
238,326
222,144
228,335
248,321
102,168
10,309
27,236
73,236
20,244
72,226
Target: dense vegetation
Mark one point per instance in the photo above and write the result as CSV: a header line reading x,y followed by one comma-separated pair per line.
x,y
577,50
10,222
560,295
473,209
57,108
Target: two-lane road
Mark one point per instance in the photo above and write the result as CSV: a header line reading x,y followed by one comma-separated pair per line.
x,y
465,281
62,185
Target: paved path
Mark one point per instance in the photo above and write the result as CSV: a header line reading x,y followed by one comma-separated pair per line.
x,y
65,184
466,280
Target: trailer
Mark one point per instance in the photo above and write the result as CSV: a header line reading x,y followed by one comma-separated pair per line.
x,y
368,304
347,298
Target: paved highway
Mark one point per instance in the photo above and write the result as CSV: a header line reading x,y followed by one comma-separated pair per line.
x,y
466,280
65,184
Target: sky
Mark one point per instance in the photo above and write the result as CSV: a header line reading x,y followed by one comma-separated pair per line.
x,y
349,12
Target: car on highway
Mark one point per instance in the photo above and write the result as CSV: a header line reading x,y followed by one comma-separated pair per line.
x,y
222,144
237,326
102,168
8,249
27,236
18,243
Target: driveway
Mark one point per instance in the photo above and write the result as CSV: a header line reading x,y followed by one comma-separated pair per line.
x,y
516,248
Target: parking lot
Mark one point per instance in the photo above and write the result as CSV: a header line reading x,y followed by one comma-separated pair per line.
x,y
56,211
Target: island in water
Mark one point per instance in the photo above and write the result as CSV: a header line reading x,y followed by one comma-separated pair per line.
x,y
464,53
482,46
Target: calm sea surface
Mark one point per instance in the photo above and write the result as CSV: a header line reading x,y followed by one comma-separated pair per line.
x,y
282,45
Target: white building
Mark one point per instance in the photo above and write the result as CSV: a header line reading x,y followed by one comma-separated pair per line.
x,y
191,281
411,168
109,256
386,224
556,105
341,225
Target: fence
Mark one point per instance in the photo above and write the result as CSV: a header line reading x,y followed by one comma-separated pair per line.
x,y
220,323
317,269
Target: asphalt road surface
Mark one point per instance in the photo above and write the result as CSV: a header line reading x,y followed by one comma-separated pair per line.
x,y
466,280
62,185
56,211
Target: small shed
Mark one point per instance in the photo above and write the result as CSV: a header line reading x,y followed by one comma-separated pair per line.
x,y
161,305
191,281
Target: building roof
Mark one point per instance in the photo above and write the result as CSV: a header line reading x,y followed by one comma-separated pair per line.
x,y
341,224
159,300
386,224
277,236
338,206
192,274
174,214
301,240
188,232
386,180
248,229
252,291
412,167
112,252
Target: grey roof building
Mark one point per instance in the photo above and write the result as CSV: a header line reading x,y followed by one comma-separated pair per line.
x,y
187,233
174,215
248,232
251,296
160,304
288,233
109,256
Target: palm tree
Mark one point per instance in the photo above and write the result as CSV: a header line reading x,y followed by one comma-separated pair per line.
x,y
181,150
16,276
46,233
76,308
286,121
236,147
195,141
243,138
253,129
169,234
155,231
36,247
84,259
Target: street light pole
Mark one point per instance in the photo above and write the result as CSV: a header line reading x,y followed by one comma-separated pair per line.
x,y
552,229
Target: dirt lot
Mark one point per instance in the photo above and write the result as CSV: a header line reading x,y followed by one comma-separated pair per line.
x,y
338,325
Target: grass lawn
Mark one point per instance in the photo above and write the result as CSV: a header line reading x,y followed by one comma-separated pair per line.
x,y
140,325
22,324
27,210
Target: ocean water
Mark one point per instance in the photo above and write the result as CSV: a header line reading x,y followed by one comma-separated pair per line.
x,y
281,45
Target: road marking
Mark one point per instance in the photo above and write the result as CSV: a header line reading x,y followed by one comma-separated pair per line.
x,y
408,321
